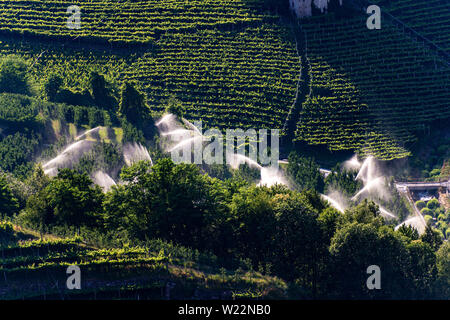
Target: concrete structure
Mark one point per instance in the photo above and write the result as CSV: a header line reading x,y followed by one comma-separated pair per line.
x,y
401,186
303,8
407,187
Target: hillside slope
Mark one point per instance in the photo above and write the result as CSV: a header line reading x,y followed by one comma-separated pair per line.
x,y
36,269
232,63
235,63
372,90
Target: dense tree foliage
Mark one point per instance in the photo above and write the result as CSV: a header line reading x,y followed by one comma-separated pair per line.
x,y
8,204
16,152
52,85
13,75
132,105
343,181
69,199
291,234
304,173
101,91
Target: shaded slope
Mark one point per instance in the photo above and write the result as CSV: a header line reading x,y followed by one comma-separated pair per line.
x,y
373,90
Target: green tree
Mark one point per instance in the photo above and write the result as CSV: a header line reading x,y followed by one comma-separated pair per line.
x,y
175,106
68,199
101,91
422,270
354,248
6,232
300,246
329,220
443,263
52,85
367,212
420,204
132,105
431,237
304,173
253,215
343,181
8,203
13,75
433,204
173,202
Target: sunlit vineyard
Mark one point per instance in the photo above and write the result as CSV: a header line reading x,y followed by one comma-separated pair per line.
x,y
127,22
228,62
36,269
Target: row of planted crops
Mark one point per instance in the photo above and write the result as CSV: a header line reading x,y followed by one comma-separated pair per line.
x,y
37,269
372,90
430,18
234,64
231,63
126,21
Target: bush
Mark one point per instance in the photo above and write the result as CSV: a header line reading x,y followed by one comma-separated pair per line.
x,y
13,75
52,86
6,230
8,204
420,204
433,204
428,219
426,211
435,172
16,152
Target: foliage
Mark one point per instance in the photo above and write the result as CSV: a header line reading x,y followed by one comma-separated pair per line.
x,y
358,110
304,173
13,75
70,199
343,181
433,204
8,204
431,237
132,105
6,231
420,204
52,85
443,261
16,152
175,106
101,91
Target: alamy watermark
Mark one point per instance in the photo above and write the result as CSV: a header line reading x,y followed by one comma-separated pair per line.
x,y
374,21
235,147
374,281
74,20
74,280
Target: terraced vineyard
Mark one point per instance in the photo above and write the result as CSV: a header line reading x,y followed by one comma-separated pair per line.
x,y
430,18
228,79
231,63
234,64
126,22
36,269
371,90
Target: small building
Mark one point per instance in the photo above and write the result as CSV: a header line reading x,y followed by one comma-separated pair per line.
x,y
303,8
